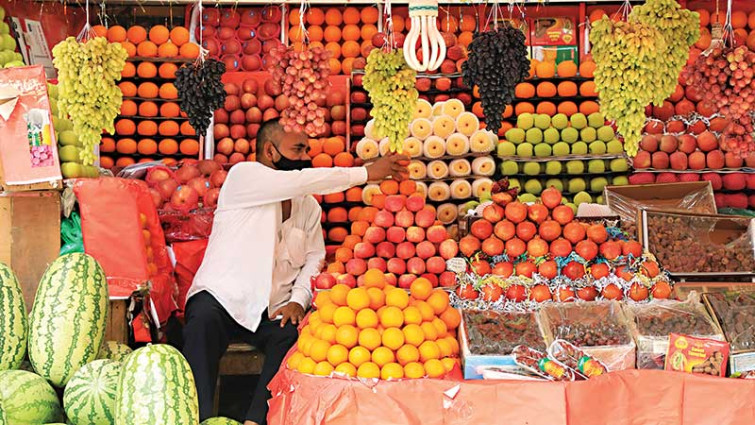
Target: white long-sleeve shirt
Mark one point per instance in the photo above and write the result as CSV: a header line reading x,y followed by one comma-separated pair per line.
x,y
254,261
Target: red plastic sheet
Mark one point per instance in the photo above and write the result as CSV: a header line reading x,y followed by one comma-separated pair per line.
x,y
188,257
631,397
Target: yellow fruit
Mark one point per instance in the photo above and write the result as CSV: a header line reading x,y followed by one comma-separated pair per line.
x,y
421,288
323,369
347,336
407,354
414,370
319,350
438,300
337,354
368,370
391,371
392,317
322,298
434,368
441,327
377,298
431,334
344,316
429,350
448,363
347,369
326,312
382,356
413,335
412,315
338,294
397,298
453,343
359,355
426,310
306,344
328,333
369,339
307,330
367,318
374,278
358,299
306,365
294,360
444,347
314,318
393,338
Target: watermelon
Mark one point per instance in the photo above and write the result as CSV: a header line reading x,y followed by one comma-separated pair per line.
x,y
156,387
67,322
89,397
27,399
13,325
220,421
114,351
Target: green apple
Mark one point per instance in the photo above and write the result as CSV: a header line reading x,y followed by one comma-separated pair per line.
x,y
599,200
13,64
72,170
569,135
553,168
579,148
4,28
575,167
531,168
514,183
572,206
597,184
525,149
525,121
578,121
561,149
470,205
7,42
588,134
615,147
551,136
542,121
619,165
509,168
606,133
542,150
514,135
505,149
576,185
527,198
560,121
533,186
557,183
596,166
595,120
534,135
620,181
582,198
597,148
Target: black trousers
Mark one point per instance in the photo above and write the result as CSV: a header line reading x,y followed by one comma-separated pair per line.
x,y
208,331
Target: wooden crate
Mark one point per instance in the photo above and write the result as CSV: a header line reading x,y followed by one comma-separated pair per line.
x,y
29,236
117,321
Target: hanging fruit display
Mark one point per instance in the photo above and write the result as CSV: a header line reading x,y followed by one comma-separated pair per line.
x,y
303,79
497,63
87,72
200,91
391,85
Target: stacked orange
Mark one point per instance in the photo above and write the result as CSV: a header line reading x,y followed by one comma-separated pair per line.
x,y
560,90
158,42
379,332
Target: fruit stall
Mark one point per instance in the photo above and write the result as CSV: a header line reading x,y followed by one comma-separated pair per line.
x,y
573,241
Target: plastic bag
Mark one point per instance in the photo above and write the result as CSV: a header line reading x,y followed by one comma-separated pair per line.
x,y
735,312
187,226
70,233
492,332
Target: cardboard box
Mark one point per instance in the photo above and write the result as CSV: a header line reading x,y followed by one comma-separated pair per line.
x,y
29,236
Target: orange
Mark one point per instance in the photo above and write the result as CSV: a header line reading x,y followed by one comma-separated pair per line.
x,y
367,318
319,350
179,36
168,128
407,354
391,371
357,299
407,187
146,49
369,15
295,34
322,369
100,30
128,88
322,160
130,49
315,147
107,145
596,15
169,109
337,354
441,327
128,108
369,338
524,90
355,193
413,370
167,147
189,147
351,16
187,129
428,350
567,89
307,366
333,17
413,335
393,338
329,333
147,90
125,127
315,35
448,363
382,356
129,70
368,370
567,108
146,70
352,240
377,298
167,50
116,34
327,312
189,51
338,294
305,344
294,18
374,278
351,49
434,368
465,38
412,315
397,298
567,69
430,332
136,34
451,317
315,16
344,316
588,107
587,89
587,69
524,107
168,91
347,336
332,34
147,147
421,288
333,145
159,34
368,31
334,65
392,317
546,89
389,187
545,70
438,300
167,70
342,254
147,128
426,310
147,109
547,108
347,369
347,65
738,19
124,162
358,356
293,361
322,298
351,33
126,146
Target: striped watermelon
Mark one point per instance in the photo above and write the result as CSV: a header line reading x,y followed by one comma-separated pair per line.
x,y
114,351
13,325
156,387
220,421
26,399
67,323
89,397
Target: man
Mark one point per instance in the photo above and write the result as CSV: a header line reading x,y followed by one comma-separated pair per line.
x,y
266,244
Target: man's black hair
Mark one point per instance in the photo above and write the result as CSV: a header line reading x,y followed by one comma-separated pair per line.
x,y
270,131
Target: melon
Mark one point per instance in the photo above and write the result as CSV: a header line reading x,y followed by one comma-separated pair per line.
x,y
26,399
113,350
220,421
156,387
13,322
89,397
67,322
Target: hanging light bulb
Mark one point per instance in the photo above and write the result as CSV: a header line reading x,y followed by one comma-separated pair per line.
x,y
424,14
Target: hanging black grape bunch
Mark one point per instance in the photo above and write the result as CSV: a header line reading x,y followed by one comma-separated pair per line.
x,y
497,63
200,91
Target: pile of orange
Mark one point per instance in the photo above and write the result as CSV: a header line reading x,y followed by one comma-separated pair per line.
x,y
159,41
379,332
331,152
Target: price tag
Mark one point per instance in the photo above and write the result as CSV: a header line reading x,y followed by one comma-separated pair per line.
x,y
456,265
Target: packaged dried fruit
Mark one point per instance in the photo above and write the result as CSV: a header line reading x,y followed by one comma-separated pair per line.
x,y
735,312
696,355
652,324
570,355
492,332
699,244
540,364
599,329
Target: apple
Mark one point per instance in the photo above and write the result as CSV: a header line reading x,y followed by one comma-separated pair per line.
x,y
448,249
210,199
377,263
424,218
415,234
325,281
217,178
356,266
158,174
157,198
405,250
405,218
415,265
425,250
446,279
436,233
185,198
374,235
347,279
166,188
405,280
396,266
395,234
364,250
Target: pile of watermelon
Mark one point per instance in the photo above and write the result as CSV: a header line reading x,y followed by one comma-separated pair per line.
x,y
104,383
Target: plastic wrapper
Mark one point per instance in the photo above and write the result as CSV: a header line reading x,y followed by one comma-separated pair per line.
x,y
626,201
70,233
652,324
735,312
538,363
694,244
697,355
190,226
492,332
583,364
600,329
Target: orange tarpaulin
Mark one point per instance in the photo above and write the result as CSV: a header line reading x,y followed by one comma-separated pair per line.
x,y
630,397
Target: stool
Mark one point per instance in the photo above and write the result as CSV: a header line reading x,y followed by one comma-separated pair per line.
x,y
239,359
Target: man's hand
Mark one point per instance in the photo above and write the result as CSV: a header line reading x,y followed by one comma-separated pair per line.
x,y
291,312
393,166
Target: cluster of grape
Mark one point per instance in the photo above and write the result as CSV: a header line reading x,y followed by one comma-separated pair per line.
x,y
680,29
390,83
200,91
303,78
627,59
727,77
87,72
497,63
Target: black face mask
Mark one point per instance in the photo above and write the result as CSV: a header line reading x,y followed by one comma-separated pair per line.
x,y
286,164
